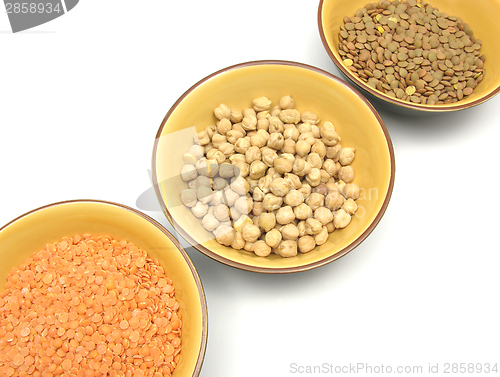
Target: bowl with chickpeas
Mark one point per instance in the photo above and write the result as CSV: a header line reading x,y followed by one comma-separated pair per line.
x,y
273,167
93,288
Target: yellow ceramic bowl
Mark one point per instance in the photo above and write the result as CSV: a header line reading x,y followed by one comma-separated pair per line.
x,y
313,89
32,231
481,15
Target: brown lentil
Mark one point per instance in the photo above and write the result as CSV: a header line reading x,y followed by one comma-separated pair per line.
x,y
83,307
416,42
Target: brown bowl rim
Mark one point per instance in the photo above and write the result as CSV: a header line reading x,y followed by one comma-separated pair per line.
x,y
199,285
382,96
275,270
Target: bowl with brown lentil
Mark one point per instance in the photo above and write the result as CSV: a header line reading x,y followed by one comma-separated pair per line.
x,y
434,56
92,288
273,167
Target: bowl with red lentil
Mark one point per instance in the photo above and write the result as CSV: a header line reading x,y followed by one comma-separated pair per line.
x,y
414,56
93,288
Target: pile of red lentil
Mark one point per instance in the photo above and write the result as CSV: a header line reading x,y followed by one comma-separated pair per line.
x,y
89,306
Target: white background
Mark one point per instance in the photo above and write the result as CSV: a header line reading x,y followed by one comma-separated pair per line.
x,y
82,97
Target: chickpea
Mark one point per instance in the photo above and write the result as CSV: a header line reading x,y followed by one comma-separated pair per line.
x,y
239,127
216,199
199,209
304,127
346,156
341,185
279,187
221,212
291,132
275,111
316,132
258,195
242,222
276,141
249,123
273,238
268,156
308,137
334,200
258,208
216,155
290,232
244,205
319,148
197,150
275,125
314,160
219,183
250,233
240,185
257,169
341,219
267,221
265,183
208,168
237,158
273,173
252,183
233,136
242,169
263,124
351,191
287,249
229,197
224,235
209,222
203,181
350,207
314,177
321,237
272,202
302,148
238,242
302,211
331,186
189,197
325,177
330,227
331,153
346,174
330,167
204,194
211,130
224,126
306,244
260,138
285,215
305,190
309,116
313,226
294,198
264,114
315,201
242,145
286,102
189,158
293,181
188,173
330,137
261,249
289,116
248,246
222,112
227,149
283,165
252,154
226,170
289,146
322,189
323,215
261,104
201,138
301,167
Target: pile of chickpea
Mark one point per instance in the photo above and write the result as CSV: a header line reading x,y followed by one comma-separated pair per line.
x,y
270,180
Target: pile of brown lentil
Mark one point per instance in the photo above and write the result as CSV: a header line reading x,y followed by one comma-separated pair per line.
x,y
89,306
412,51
